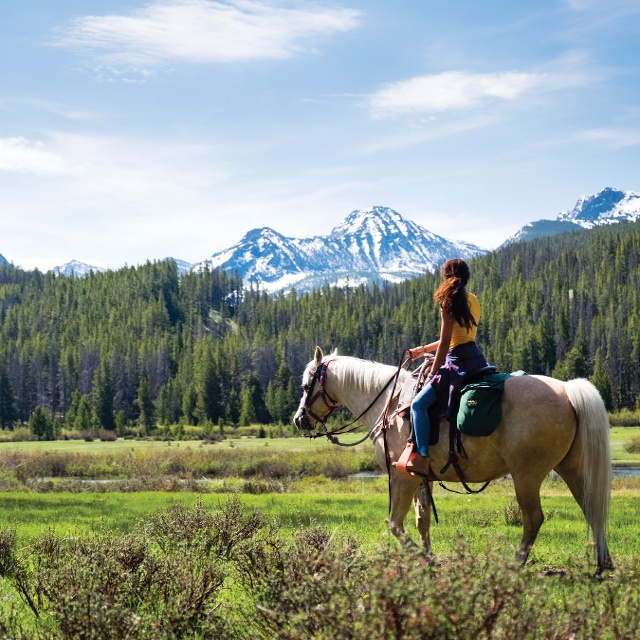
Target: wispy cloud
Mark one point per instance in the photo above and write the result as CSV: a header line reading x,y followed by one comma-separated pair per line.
x,y
611,9
613,138
19,155
451,90
204,31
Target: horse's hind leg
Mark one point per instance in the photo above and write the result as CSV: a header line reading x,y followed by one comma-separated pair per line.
x,y
572,472
422,506
528,495
402,491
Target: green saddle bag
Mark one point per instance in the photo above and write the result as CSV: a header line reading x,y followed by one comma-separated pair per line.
x,y
480,408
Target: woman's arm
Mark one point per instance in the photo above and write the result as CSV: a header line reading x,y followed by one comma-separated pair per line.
x,y
418,352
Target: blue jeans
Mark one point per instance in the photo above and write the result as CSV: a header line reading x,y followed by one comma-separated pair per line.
x,y
420,416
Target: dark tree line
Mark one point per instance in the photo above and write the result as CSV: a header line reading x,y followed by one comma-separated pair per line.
x,y
142,344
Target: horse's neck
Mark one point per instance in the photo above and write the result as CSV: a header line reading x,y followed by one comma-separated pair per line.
x,y
358,382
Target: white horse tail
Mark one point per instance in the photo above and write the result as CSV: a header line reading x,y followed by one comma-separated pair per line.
x,y
593,425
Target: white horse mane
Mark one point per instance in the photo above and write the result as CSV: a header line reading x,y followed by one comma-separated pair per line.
x,y
365,375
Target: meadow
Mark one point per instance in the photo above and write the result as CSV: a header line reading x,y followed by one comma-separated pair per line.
x,y
245,506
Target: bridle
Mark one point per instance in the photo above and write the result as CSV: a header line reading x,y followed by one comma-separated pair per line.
x,y
320,377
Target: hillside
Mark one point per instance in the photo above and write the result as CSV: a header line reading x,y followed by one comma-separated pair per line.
x,y
204,350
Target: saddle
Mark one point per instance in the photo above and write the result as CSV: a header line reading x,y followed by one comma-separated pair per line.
x,y
473,406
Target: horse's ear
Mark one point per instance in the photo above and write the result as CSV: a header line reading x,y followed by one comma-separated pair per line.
x,y
318,356
335,352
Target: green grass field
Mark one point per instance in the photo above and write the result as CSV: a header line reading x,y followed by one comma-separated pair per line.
x,y
480,519
350,506
619,437
314,484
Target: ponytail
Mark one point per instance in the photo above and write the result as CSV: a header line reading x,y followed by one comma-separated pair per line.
x,y
452,293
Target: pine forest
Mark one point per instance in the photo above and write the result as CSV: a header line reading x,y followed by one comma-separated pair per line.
x,y
143,346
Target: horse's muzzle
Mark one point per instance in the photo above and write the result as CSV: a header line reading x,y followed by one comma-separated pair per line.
x,y
301,420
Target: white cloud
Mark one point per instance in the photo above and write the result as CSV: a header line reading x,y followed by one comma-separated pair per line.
x,y
451,90
17,154
204,31
613,138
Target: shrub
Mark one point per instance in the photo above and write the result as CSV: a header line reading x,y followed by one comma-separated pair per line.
x,y
633,446
163,581
513,513
190,572
625,418
20,434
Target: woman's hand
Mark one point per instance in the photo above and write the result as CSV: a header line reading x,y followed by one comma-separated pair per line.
x,y
416,352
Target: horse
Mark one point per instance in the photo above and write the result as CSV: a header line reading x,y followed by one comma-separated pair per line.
x,y
546,425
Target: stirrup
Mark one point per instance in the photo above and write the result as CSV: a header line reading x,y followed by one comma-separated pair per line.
x,y
408,455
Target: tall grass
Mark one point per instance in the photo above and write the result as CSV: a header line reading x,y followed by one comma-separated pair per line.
x,y
150,466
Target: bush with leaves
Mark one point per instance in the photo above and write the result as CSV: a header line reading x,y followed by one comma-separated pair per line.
x,y
189,572
163,581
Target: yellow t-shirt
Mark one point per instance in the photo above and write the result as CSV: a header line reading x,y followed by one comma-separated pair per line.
x,y
460,334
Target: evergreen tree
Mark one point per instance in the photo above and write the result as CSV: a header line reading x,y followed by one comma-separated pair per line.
x,y
72,411
41,424
145,404
8,411
601,380
209,399
102,396
122,423
85,416
189,402
163,406
252,407
248,414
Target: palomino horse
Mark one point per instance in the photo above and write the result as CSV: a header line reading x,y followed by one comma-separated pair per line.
x,y
546,424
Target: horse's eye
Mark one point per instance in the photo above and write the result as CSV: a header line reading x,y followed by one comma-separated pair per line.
x,y
305,387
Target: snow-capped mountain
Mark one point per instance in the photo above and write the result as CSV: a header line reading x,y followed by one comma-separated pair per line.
x,y
608,206
76,269
370,244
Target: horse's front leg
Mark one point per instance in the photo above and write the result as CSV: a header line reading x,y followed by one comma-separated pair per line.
x,y
422,506
403,490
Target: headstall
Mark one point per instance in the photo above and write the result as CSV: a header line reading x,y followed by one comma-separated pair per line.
x,y
320,376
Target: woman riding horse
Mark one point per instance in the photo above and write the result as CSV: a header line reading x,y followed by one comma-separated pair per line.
x,y
457,353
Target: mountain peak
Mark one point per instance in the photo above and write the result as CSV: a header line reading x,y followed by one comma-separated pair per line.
x,y
76,269
375,243
608,206
369,220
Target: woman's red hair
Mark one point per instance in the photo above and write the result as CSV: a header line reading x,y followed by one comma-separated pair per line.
x,y
452,293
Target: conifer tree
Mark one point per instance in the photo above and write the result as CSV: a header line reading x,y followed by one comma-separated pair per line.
x,y
189,402
252,406
248,414
8,411
601,381
85,417
41,424
102,396
146,418
163,406
209,401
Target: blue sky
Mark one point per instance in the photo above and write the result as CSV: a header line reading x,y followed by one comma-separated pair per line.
x,y
134,130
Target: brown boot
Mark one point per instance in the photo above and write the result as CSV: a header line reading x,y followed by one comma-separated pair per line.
x,y
417,462
409,461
